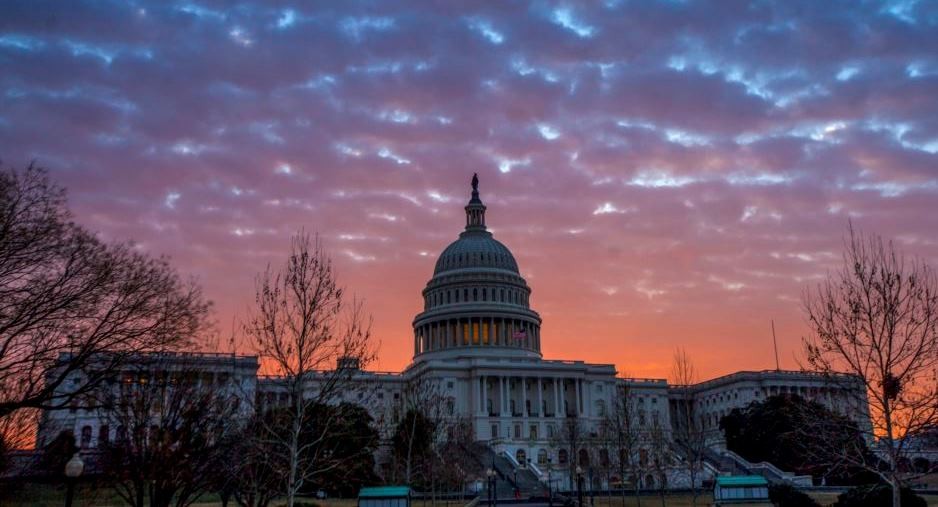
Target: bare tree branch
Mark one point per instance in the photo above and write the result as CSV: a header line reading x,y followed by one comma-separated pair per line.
x,y
877,320
68,300
316,340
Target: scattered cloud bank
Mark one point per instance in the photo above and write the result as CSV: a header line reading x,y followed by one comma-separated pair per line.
x,y
667,173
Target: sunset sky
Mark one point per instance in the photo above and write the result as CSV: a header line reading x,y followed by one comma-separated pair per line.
x,y
669,174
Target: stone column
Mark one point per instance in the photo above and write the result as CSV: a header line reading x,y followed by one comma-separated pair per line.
x,y
540,398
492,331
524,398
576,410
558,407
501,395
507,385
476,391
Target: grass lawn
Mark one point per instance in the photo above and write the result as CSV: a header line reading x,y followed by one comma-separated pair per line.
x,y
653,501
49,495
31,494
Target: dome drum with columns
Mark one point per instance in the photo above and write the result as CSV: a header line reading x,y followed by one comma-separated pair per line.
x,y
476,300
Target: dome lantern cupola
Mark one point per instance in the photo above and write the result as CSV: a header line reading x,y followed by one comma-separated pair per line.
x,y
475,210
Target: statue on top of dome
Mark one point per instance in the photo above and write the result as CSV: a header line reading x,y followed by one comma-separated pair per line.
x,y
475,182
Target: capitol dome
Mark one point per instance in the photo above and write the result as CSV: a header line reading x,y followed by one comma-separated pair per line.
x,y
476,250
476,301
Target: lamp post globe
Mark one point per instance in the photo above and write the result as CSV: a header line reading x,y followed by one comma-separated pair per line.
x,y
74,467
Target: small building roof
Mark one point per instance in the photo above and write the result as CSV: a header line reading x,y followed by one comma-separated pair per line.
x,y
384,492
741,481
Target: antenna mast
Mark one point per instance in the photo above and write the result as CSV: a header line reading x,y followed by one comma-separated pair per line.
x,y
775,344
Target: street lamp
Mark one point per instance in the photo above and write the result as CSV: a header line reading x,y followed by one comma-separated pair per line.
x,y
579,486
517,491
73,469
592,493
550,487
490,482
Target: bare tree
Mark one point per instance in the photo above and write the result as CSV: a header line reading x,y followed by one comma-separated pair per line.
x,y
172,428
458,454
570,438
418,435
877,320
255,480
688,428
622,437
66,297
660,459
304,327
18,429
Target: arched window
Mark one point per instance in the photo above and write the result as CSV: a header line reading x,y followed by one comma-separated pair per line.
x,y
604,458
601,408
85,437
103,435
449,295
475,294
521,456
465,294
584,458
562,456
485,294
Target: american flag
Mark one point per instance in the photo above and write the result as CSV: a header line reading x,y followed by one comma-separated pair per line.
x,y
519,335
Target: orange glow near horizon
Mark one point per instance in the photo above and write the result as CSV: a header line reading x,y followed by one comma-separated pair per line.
x,y
636,329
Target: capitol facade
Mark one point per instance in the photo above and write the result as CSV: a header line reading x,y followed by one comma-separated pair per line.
x,y
478,341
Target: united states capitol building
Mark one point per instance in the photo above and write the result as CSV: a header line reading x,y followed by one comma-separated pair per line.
x,y
479,341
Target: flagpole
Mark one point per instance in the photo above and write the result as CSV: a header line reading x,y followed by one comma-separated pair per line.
x,y
775,344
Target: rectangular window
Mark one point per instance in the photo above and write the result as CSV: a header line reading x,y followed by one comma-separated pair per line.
x,y
494,431
533,432
518,431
